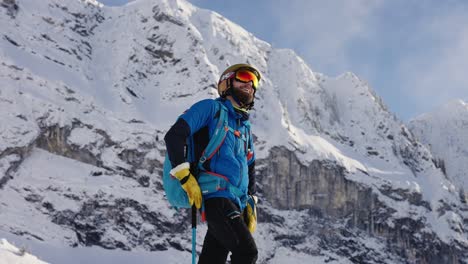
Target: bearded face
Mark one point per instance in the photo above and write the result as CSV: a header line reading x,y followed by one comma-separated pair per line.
x,y
244,92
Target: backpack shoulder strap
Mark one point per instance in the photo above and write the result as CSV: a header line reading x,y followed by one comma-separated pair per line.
x,y
218,136
249,142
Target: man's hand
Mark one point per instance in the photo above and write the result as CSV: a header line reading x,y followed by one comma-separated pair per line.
x,y
189,183
251,213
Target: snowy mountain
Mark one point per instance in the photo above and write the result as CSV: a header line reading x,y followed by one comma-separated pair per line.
x,y
11,254
88,92
445,133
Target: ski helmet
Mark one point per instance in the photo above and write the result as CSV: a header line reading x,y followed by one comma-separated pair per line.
x,y
224,83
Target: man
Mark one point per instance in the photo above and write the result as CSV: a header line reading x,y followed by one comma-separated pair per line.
x,y
230,210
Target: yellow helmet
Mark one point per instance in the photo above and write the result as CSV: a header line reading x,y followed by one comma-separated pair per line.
x,y
230,72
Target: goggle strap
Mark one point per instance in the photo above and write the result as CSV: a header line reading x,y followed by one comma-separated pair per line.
x,y
226,76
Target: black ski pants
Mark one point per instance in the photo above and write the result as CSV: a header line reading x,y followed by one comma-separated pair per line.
x,y
227,232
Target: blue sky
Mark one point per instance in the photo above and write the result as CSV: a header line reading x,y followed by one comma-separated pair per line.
x,y
413,53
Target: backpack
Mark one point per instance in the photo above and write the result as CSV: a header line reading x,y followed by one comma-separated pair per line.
x,y
176,196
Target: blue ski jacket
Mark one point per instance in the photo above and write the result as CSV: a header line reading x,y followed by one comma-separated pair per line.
x,y
235,158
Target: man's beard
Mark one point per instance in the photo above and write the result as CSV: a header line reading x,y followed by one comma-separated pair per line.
x,y
244,97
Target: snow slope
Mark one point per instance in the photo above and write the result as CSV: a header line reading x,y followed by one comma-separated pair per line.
x,y
445,133
10,254
88,92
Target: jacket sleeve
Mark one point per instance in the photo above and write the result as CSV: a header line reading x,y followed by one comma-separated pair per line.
x,y
175,141
252,187
188,123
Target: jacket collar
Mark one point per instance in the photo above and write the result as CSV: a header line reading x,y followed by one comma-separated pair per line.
x,y
238,114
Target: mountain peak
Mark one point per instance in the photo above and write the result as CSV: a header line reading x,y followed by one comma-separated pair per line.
x,y
455,104
93,2
455,109
444,130
88,94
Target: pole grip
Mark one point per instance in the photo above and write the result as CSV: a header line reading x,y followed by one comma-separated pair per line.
x,y
194,217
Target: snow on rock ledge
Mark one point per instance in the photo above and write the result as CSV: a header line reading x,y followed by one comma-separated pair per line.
x,y
11,254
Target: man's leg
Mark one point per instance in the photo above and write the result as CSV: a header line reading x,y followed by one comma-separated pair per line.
x,y
226,230
213,252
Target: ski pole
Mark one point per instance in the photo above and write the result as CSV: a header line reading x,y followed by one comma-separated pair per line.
x,y
194,234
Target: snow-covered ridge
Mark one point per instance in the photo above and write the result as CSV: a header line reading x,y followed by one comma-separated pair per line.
x,y
90,91
445,132
11,254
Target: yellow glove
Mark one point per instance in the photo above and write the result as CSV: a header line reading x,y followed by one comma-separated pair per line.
x,y
251,213
189,183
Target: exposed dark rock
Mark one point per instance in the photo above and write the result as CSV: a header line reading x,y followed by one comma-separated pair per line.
x,y
164,55
290,185
440,164
26,234
132,92
343,211
11,7
414,198
161,16
144,181
20,153
48,206
11,41
141,227
64,218
33,198
290,240
54,139
97,173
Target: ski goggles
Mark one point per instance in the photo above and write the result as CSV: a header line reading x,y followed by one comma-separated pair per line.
x,y
246,76
242,75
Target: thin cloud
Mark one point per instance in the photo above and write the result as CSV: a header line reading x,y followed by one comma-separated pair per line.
x,y
414,54
321,30
440,74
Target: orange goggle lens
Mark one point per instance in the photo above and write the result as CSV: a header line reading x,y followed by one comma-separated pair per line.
x,y
247,76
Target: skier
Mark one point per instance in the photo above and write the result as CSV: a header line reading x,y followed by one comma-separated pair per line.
x,y
230,211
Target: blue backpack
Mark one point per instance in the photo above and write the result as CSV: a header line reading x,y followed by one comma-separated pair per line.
x,y
209,182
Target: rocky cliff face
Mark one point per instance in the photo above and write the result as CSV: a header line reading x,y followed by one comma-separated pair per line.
x,y
95,217
348,210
